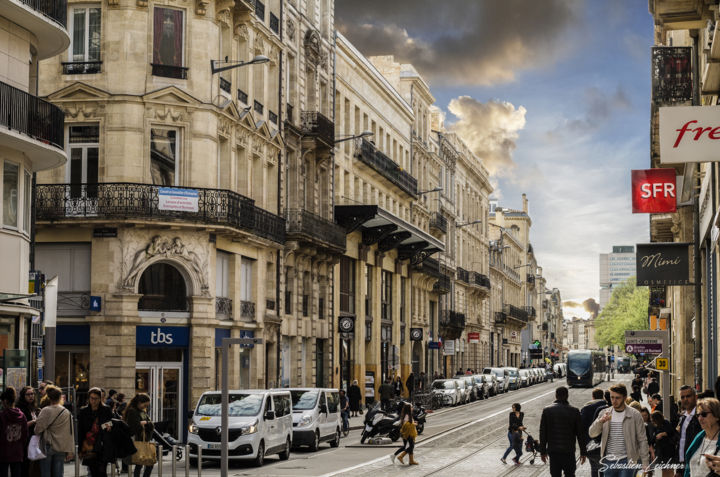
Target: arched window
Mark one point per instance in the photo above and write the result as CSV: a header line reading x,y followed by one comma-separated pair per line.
x,y
163,289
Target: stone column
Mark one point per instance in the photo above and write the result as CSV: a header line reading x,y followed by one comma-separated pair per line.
x,y
202,347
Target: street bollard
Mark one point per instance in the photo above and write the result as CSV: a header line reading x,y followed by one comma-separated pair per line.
x,y
199,462
130,469
187,461
77,462
160,460
173,453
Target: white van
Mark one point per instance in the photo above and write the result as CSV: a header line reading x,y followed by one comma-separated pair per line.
x,y
316,417
260,425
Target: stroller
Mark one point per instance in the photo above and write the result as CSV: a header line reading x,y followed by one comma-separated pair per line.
x,y
163,438
532,447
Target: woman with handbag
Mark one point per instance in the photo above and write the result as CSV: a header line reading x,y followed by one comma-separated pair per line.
x,y
26,403
92,420
408,432
141,428
13,435
55,428
515,428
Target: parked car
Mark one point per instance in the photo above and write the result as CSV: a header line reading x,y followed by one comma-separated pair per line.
x,y
316,417
513,378
524,375
492,381
260,424
501,376
463,390
448,390
560,370
482,386
541,374
470,386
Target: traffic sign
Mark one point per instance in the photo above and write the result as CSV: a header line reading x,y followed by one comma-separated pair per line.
x,y
661,364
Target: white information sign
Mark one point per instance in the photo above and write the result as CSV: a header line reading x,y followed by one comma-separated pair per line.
x,y
449,348
180,200
689,134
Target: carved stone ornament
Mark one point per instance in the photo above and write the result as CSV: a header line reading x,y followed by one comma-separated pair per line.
x,y
166,113
290,28
135,260
201,7
311,43
139,3
259,45
85,110
241,30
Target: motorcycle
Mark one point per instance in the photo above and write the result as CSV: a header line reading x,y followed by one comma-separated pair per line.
x,y
379,422
419,417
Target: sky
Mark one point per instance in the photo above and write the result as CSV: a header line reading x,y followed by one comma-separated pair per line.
x,y
552,95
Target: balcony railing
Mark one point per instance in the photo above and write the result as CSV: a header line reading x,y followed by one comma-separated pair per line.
x,y
388,168
443,285
81,67
516,313
438,222
272,117
169,71
226,86
260,10
316,124
463,275
242,96
53,9
31,115
123,200
500,318
223,307
73,303
274,23
258,107
306,225
453,324
289,113
480,280
531,312
247,309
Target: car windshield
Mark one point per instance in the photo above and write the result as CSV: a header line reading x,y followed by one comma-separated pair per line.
x,y
512,372
499,373
240,405
303,400
579,363
442,385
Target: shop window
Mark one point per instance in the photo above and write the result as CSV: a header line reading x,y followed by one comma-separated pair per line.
x,y
164,154
72,373
163,289
11,176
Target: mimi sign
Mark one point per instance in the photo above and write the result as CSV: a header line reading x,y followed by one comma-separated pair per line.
x,y
663,264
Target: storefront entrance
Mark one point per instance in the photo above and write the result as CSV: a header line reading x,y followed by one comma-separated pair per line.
x,y
163,383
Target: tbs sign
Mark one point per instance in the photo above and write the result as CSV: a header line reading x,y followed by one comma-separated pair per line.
x,y
654,191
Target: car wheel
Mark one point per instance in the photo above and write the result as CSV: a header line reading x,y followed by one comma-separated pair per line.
x,y
363,436
336,442
285,455
420,428
316,442
260,458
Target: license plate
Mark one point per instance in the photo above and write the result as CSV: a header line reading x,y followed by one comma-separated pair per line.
x,y
213,446
368,427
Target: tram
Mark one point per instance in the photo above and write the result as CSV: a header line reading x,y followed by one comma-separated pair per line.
x,y
586,368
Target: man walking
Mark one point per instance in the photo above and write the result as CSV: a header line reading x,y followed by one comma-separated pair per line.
x,y
624,442
387,392
560,427
689,425
587,416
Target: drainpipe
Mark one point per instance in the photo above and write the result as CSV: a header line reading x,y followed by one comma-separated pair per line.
x,y
696,235
331,274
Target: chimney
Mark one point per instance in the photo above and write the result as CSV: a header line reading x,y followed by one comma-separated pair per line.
x,y
525,203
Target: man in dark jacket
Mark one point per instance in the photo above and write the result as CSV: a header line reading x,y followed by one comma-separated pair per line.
x,y
587,416
387,392
689,426
560,427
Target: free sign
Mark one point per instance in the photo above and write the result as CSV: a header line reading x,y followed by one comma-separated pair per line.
x,y
689,134
653,191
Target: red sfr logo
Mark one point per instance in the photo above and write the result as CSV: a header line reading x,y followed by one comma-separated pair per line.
x,y
654,191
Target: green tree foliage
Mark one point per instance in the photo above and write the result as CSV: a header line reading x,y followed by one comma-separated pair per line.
x,y
627,310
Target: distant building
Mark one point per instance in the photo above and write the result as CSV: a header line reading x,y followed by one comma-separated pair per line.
x,y
615,268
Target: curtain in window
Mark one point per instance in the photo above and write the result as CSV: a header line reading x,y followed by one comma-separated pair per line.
x,y
78,40
94,34
168,37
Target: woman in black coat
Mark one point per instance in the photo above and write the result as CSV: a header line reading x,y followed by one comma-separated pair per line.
x,y
355,396
664,440
515,428
92,419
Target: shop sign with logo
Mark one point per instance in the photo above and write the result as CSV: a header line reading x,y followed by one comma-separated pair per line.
x,y
653,191
689,134
671,75
162,336
663,264
180,200
473,337
416,334
346,324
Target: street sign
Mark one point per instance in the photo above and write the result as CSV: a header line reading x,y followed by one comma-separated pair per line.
x,y
652,348
662,364
95,303
449,348
434,345
473,337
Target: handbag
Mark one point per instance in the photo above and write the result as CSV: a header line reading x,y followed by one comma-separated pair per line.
x,y
408,430
146,454
36,446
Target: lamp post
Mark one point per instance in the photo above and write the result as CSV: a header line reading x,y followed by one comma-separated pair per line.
x,y
228,65
353,136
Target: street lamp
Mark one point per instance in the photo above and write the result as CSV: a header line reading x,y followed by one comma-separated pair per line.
x,y
437,189
468,223
355,136
228,65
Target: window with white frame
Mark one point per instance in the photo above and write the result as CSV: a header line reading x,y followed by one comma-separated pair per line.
x,y
246,282
11,177
164,156
85,29
82,168
222,283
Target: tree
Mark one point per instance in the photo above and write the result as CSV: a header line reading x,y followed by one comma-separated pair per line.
x,y
627,310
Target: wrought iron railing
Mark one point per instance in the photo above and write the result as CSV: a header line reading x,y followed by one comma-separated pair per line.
x,y
81,67
272,117
430,266
223,307
31,115
73,303
289,113
531,311
258,107
260,10
451,318
274,23
439,222
480,280
270,305
242,96
463,275
302,223
500,317
124,200
318,125
169,71
388,168
516,313
443,285
53,9
226,86
247,309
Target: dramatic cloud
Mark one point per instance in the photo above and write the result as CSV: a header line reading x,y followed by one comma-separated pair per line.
x,y
599,108
464,41
592,307
490,130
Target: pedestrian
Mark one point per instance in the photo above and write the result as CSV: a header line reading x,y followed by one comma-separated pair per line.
x,y
689,425
140,424
42,397
111,401
587,416
398,386
663,443
637,381
408,433
421,382
653,386
13,435
636,394
649,430
354,396
386,391
26,403
656,403
410,385
624,440
515,428
92,420
344,412
706,442
560,427
54,425
121,404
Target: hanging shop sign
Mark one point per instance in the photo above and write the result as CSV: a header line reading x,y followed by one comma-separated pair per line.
x,y
663,264
473,337
689,134
653,191
180,200
671,75
346,324
416,334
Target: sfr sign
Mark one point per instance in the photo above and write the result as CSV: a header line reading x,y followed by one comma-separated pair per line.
x,y
689,134
654,191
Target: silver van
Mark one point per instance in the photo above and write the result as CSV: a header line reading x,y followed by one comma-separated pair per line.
x,y
316,417
261,423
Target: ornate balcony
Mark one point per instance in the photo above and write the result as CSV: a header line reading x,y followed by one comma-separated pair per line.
x,y
438,222
307,227
480,280
53,9
500,318
316,124
81,67
443,285
131,201
223,307
516,313
463,275
247,310
387,168
531,312
452,324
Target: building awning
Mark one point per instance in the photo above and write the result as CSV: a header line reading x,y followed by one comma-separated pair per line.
x,y
388,231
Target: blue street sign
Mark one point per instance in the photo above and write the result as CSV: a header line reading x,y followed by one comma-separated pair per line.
x,y
434,345
95,303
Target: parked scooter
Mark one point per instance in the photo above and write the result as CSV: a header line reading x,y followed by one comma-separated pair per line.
x,y
419,416
380,423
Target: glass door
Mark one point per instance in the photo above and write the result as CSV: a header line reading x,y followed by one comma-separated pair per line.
x,y
163,383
